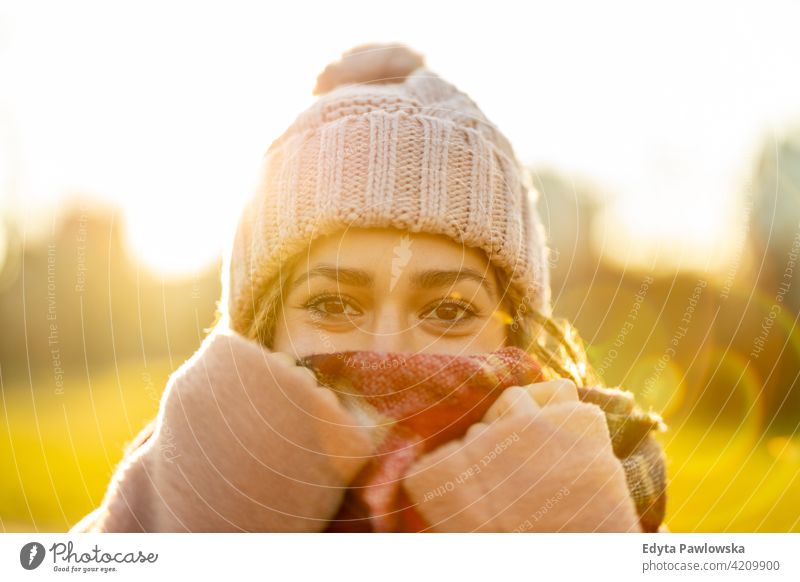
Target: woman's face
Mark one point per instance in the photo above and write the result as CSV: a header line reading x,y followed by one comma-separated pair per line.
x,y
386,290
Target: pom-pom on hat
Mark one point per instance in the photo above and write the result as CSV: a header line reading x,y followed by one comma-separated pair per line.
x,y
388,144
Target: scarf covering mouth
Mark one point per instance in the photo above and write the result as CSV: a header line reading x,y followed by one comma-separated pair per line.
x,y
424,400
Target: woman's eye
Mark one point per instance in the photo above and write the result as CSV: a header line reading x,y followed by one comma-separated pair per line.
x,y
450,312
331,305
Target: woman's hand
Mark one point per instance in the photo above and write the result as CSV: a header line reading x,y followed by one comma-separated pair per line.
x,y
540,460
245,440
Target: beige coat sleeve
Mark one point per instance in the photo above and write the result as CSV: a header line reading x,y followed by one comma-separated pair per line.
x,y
541,461
244,440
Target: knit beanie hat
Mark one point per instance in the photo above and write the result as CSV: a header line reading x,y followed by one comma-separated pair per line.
x,y
387,144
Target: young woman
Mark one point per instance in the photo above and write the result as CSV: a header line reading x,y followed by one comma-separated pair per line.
x,y
393,226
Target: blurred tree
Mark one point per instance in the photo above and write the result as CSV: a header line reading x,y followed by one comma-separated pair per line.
x,y
683,341
78,300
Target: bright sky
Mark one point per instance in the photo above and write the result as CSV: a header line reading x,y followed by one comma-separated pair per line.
x,y
166,108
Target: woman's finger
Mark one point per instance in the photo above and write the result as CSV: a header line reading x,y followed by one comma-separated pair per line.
x,y
514,400
553,392
581,418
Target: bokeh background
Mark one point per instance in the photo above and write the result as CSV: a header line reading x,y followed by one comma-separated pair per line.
x,y
665,142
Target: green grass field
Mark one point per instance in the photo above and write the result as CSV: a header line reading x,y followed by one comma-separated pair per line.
x,y
723,481
58,452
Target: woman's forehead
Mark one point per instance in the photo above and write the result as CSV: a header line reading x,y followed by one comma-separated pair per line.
x,y
372,247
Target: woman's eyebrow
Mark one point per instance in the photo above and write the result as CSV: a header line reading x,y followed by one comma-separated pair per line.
x,y
442,277
344,275
428,279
